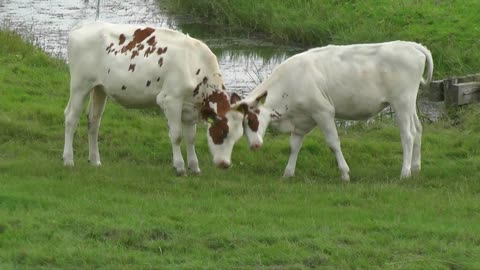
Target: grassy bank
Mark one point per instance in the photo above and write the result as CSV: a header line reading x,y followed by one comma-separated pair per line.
x,y
133,213
448,28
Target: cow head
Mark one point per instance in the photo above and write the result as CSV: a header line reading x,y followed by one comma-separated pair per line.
x,y
255,121
224,121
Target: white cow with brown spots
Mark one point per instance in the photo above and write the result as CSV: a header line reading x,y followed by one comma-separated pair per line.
x,y
140,66
347,82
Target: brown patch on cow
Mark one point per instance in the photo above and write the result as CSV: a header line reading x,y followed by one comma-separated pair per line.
x,y
148,83
151,41
140,47
205,80
128,47
198,72
252,121
121,39
160,62
219,131
219,98
124,87
219,128
149,51
206,112
195,91
134,54
223,87
138,36
158,79
109,47
116,52
131,67
160,50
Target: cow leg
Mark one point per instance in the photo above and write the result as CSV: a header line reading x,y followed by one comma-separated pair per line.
x,y
408,132
417,143
189,135
96,107
326,122
296,141
173,112
72,114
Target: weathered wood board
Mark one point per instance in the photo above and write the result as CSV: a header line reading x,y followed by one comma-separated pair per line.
x,y
456,91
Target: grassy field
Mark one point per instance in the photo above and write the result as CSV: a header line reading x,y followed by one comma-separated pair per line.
x,y
448,28
133,213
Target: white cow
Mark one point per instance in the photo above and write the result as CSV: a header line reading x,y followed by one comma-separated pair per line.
x,y
140,66
347,82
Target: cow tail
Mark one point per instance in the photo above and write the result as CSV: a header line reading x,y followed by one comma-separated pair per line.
x,y
428,55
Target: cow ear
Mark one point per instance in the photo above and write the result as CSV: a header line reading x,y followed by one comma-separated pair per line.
x,y
242,107
234,98
261,99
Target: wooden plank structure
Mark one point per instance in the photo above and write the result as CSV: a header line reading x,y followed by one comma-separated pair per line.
x,y
457,90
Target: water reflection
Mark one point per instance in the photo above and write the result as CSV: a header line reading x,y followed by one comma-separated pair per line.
x,y
244,62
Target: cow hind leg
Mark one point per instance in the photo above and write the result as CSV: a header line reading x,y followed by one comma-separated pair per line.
x,y
96,107
72,114
405,114
417,143
173,112
326,122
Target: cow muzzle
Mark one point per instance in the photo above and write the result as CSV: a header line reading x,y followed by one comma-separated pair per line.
x,y
223,164
255,146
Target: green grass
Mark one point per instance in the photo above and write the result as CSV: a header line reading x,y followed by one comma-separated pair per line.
x,y
449,28
133,213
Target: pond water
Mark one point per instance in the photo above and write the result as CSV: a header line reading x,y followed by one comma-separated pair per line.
x,y
244,61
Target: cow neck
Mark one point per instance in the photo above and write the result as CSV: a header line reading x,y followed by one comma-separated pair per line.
x,y
210,91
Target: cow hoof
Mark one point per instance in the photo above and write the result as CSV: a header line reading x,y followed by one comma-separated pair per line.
x,y
95,163
415,170
181,172
288,175
346,178
197,172
405,175
194,168
68,163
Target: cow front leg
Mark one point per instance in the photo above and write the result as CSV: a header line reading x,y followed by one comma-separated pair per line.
x,y
296,141
72,115
96,107
326,122
173,113
189,135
